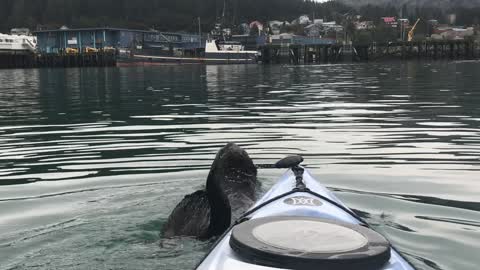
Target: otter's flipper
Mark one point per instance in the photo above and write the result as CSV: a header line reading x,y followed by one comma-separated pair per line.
x,y
235,172
191,217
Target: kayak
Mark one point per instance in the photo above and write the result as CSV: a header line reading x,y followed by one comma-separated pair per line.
x,y
300,224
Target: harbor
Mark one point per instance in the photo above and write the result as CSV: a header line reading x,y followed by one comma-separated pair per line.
x,y
303,41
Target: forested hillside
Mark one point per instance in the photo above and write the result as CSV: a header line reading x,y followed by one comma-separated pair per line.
x,y
467,11
158,14
444,4
175,15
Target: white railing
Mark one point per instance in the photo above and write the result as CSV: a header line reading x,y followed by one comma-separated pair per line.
x,y
30,46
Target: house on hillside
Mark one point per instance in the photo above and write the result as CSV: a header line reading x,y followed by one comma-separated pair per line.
x,y
314,30
256,25
302,20
332,26
364,25
276,27
390,21
452,33
323,29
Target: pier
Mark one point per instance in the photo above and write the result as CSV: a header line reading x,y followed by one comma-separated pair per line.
x,y
301,54
17,60
334,53
429,50
57,60
98,59
273,54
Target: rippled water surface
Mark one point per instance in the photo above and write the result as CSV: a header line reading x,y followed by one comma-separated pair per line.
x,y
92,161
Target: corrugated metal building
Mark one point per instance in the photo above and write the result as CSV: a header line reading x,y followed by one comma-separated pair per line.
x,y
57,40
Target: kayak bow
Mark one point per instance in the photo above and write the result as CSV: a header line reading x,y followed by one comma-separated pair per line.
x,y
300,224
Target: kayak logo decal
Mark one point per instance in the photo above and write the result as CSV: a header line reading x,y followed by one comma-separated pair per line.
x,y
302,200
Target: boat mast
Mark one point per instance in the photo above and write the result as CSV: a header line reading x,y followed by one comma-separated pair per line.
x,y
223,12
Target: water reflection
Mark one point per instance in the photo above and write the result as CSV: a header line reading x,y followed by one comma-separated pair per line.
x,y
398,142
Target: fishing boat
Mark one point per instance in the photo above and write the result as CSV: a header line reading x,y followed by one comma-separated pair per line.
x,y
300,224
219,49
216,52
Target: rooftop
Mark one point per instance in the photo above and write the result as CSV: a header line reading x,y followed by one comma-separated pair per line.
x,y
94,29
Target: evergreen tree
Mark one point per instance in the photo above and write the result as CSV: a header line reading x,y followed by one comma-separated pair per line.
x,y
181,14
161,14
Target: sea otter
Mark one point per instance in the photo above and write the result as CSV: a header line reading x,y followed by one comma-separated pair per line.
x,y
229,192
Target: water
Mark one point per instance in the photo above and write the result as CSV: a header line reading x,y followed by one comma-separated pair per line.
x,y
92,161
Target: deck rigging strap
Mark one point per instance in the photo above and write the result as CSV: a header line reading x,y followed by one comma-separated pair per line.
x,y
244,217
299,187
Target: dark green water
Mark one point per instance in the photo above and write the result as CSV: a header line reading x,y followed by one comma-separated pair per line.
x,y
92,161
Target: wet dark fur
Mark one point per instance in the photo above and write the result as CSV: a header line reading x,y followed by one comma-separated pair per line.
x,y
206,213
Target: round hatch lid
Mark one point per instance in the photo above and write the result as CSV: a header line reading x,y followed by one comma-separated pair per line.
x,y
305,243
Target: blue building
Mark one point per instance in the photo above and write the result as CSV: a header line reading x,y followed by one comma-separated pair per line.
x,y
57,40
182,41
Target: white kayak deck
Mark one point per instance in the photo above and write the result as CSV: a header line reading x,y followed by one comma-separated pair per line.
x,y
223,257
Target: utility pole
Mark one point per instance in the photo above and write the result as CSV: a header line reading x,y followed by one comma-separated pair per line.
x,y
223,12
199,32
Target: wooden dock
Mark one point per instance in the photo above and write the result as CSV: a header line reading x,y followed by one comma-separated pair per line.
x,y
31,60
301,54
276,54
428,50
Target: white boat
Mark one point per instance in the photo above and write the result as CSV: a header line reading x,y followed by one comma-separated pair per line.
x,y
300,224
17,43
229,51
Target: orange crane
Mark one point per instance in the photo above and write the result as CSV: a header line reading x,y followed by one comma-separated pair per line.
x,y
412,31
